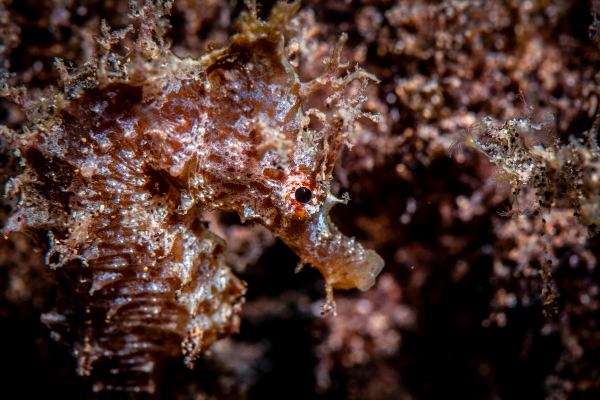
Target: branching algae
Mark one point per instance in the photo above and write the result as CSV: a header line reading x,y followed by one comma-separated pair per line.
x,y
121,158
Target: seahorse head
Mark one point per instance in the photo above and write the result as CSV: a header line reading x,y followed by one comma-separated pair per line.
x,y
280,154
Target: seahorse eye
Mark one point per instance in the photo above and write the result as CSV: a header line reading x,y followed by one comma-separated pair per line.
x,y
303,195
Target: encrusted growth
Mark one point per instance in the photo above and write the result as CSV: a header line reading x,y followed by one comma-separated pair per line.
x,y
527,155
120,159
542,174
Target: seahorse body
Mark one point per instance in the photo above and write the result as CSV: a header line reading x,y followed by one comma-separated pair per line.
x,y
114,176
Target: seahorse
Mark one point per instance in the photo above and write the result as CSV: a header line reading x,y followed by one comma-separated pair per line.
x,y
120,162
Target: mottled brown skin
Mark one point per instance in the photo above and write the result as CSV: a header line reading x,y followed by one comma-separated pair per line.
x,y
113,177
124,304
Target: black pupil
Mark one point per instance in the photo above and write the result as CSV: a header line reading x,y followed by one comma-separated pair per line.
x,y
303,195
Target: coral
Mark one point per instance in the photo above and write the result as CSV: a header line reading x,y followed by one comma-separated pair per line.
x,y
366,336
526,156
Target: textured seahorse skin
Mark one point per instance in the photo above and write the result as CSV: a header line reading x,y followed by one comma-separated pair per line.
x,y
117,173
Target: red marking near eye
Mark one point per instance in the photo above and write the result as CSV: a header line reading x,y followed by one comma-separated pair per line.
x,y
299,209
